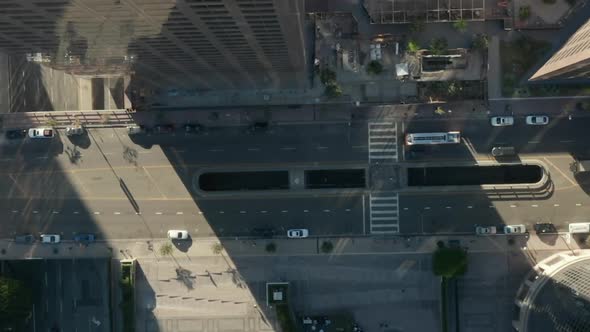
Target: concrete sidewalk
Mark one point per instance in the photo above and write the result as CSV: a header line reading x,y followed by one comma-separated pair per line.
x,y
203,247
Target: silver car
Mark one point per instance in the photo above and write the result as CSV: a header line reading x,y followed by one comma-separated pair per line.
x,y
501,121
537,120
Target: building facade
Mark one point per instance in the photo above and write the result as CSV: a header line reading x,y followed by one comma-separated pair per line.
x,y
189,44
571,61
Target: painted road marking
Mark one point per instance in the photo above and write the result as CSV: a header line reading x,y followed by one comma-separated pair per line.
x,y
179,213
512,206
534,205
578,204
158,213
96,212
384,213
288,148
447,207
469,207
556,205
382,142
242,212
117,213
253,149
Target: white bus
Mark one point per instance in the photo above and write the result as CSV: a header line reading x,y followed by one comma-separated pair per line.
x,y
452,137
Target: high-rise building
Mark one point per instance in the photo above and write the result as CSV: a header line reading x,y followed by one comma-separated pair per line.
x,y
193,44
571,61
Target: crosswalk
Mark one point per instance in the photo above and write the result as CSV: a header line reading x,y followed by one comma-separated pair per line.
x,y
383,142
384,213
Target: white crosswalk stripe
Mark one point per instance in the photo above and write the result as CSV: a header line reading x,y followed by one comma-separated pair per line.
x,y
382,142
384,213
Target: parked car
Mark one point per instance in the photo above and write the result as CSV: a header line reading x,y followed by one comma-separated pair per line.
x,y
297,233
545,228
85,238
164,129
74,130
537,120
514,229
176,234
16,134
502,151
24,239
265,232
193,128
50,238
501,121
135,129
485,230
41,132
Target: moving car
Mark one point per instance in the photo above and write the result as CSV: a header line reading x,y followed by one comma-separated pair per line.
x,y
176,234
500,151
297,233
545,228
537,120
85,238
50,238
485,230
24,239
515,229
41,132
16,133
501,121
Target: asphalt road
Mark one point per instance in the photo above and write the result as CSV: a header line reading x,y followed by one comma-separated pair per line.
x,y
68,185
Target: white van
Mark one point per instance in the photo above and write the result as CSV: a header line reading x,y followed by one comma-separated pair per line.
x,y
580,227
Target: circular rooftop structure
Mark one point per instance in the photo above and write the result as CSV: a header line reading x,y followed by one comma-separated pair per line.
x,y
556,295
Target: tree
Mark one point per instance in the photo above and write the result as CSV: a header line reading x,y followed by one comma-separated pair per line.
x,y
413,46
374,68
438,46
271,247
166,249
327,76
217,248
15,302
449,262
460,25
480,42
327,247
333,90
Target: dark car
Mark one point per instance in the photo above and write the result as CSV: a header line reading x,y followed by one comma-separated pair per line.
x,y
16,134
264,232
164,129
84,238
24,239
193,128
545,228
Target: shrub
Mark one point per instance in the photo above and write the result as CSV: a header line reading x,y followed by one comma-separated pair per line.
x,y
449,262
413,46
460,25
217,248
333,90
524,12
327,76
438,46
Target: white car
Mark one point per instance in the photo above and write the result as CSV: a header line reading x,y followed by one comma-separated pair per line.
x,y
41,132
50,238
485,230
297,233
501,121
514,229
537,120
176,234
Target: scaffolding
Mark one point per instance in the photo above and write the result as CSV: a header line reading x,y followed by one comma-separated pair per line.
x,y
408,11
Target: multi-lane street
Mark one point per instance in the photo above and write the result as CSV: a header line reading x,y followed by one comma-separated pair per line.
x,y
122,187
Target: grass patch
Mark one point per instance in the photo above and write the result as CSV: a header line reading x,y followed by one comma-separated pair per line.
x,y
127,285
443,305
285,319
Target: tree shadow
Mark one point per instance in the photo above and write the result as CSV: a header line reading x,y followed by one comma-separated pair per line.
x,y
185,276
130,155
74,155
